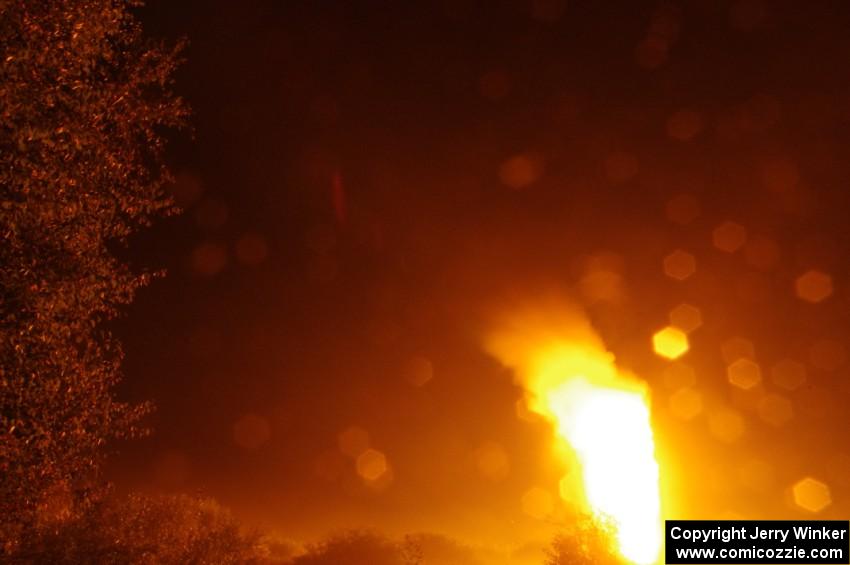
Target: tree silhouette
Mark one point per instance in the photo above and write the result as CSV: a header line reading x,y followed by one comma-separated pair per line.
x,y
146,529
84,103
587,542
360,548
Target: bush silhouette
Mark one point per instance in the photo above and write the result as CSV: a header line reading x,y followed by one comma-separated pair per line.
x,y
360,548
587,542
141,529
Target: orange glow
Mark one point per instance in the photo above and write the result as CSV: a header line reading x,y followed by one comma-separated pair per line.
x,y
744,374
601,413
371,465
813,286
521,171
679,265
686,317
729,237
610,431
811,494
670,342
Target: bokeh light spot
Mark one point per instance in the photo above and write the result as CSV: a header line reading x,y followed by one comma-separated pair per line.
x,y
492,461
813,286
601,280
788,374
679,265
538,503
209,259
371,465
686,403
670,342
686,317
744,373
726,425
811,494
187,188
684,125
601,286
729,236
521,171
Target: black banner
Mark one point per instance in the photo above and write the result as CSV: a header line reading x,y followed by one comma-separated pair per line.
x,y
757,541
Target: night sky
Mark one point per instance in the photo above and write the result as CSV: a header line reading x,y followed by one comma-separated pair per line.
x,y
367,183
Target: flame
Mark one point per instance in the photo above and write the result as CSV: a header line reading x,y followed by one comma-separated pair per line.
x,y
600,411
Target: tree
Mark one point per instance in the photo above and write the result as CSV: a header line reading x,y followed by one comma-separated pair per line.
x,y
360,548
587,542
85,101
146,529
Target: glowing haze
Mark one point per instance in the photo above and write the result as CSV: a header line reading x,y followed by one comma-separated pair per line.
x,y
600,411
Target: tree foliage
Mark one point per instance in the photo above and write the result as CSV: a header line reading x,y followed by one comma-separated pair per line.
x,y
85,101
360,548
587,542
143,529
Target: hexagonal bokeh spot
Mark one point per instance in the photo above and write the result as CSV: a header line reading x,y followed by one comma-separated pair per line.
x,y
813,286
492,461
537,503
811,494
686,317
775,409
744,373
788,374
670,342
371,465
729,237
686,403
680,265
726,425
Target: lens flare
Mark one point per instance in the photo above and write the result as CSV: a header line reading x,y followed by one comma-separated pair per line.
x,y
600,411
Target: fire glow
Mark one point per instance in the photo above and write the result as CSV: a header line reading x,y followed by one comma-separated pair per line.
x,y
602,413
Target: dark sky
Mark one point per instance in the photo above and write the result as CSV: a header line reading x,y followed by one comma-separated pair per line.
x,y
366,182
